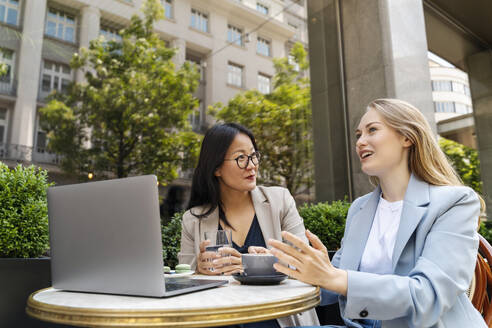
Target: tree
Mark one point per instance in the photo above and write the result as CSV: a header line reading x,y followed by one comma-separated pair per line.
x,y
130,116
280,121
465,161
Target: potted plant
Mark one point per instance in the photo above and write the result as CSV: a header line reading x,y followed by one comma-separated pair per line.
x,y
24,239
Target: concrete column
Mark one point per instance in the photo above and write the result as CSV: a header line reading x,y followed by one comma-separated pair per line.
x,y
480,76
364,50
331,144
180,56
89,30
24,116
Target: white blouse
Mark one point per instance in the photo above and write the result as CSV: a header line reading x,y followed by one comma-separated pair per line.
x,y
378,254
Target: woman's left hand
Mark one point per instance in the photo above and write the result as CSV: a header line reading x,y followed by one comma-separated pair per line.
x,y
312,264
229,262
258,250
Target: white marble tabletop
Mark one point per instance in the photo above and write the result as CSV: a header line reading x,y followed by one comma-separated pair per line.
x,y
231,303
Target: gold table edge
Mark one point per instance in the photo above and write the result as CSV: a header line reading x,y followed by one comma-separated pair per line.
x,y
90,317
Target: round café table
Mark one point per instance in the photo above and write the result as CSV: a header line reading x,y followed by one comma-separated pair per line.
x,y
229,304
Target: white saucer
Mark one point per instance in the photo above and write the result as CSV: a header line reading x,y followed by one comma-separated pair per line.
x,y
173,274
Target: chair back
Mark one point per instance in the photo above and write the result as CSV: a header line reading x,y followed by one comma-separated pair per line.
x,y
481,294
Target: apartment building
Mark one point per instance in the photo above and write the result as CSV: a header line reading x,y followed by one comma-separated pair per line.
x,y
233,43
452,102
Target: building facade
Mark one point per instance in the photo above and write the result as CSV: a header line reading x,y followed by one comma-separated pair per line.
x,y
233,43
452,103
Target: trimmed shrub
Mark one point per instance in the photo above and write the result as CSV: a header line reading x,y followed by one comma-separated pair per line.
x,y
23,212
171,237
327,221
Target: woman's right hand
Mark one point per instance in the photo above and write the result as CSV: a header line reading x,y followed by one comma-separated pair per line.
x,y
204,261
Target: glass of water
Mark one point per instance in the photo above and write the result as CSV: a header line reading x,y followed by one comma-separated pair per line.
x,y
218,239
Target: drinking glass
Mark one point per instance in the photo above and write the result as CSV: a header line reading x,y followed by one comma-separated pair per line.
x,y
218,239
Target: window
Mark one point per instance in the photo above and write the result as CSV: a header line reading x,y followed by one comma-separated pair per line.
x,y
195,116
41,141
460,108
298,31
110,34
199,20
263,47
234,35
3,126
444,107
467,91
7,57
56,76
168,8
264,83
196,61
262,8
458,87
60,25
441,86
235,75
9,11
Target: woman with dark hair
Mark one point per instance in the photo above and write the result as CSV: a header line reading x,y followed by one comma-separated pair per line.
x,y
224,195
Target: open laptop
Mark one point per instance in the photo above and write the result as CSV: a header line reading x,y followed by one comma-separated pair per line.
x,y
106,238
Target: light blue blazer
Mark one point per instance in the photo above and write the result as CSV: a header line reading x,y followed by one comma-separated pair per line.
x,y
433,261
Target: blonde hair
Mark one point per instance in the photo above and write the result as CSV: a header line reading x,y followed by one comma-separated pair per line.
x,y
426,160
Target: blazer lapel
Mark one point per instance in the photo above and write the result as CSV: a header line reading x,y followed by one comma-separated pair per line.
x,y
263,212
357,235
414,208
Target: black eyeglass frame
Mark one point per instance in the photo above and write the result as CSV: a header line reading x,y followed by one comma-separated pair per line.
x,y
250,158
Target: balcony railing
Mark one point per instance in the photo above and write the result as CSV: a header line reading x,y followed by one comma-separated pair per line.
x,y
8,87
27,154
15,152
42,155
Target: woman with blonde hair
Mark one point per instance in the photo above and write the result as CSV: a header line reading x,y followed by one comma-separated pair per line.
x,y
409,248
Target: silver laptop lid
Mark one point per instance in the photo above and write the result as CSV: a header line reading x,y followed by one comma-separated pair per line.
x,y
106,237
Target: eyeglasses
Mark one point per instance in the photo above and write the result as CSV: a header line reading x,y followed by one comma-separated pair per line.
x,y
243,160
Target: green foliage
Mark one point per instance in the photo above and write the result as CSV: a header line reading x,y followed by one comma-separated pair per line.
x,y
326,220
465,161
130,115
3,69
486,230
171,239
23,211
281,123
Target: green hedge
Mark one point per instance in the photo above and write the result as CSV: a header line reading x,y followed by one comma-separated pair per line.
x,y
171,237
23,212
326,220
486,230
323,219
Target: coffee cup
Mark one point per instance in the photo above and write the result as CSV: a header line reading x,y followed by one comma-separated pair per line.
x,y
258,264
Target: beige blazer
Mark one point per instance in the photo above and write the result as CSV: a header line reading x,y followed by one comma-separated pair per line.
x,y
276,212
